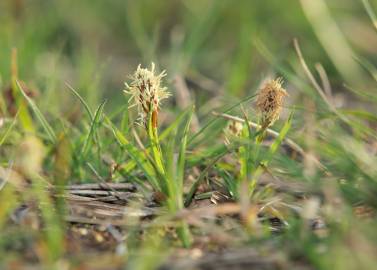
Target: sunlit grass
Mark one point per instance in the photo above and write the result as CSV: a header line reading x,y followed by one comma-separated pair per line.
x,y
218,184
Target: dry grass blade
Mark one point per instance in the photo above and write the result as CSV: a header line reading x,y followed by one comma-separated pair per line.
x,y
184,100
85,210
370,12
210,211
103,186
315,83
90,192
325,80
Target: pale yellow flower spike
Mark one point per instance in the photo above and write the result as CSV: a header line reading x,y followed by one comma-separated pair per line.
x,y
146,92
233,128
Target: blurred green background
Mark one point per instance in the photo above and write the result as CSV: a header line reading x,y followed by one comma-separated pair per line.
x,y
224,45
223,49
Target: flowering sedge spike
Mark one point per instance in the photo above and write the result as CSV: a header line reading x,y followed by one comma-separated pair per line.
x,y
233,129
146,93
270,102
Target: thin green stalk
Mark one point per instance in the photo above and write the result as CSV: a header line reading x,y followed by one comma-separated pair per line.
x,y
273,148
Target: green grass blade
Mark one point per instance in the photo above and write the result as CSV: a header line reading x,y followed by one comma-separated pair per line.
x,y
195,185
368,66
162,137
86,106
155,146
124,122
93,128
270,154
167,131
182,155
9,129
136,155
24,117
370,12
216,119
50,132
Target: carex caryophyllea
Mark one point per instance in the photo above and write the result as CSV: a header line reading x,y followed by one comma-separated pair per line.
x,y
270,101
146,93
233,129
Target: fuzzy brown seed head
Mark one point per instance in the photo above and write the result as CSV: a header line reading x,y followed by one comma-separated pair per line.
x,y
270,101
146,92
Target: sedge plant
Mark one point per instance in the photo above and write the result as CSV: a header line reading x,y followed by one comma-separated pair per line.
x,y
269,103
166,173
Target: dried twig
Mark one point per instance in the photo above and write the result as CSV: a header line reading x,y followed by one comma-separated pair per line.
x,y
101,186
79,198
86,210
90,192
